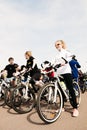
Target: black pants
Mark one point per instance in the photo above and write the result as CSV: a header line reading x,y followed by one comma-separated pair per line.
x,y
34,74
69,83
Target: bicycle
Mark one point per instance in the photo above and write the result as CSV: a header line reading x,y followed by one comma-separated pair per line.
x,y
13,82
3,87
83,83
23,97
2,93
50,100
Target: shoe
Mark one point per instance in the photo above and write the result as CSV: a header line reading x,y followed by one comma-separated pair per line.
x,y
75,113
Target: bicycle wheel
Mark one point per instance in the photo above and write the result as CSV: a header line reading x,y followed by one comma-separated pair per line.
x,y
48,109
22,103
83,89
8,94
77,93
2,94
82,86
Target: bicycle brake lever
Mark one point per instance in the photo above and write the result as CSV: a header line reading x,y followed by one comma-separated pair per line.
x,y
65,60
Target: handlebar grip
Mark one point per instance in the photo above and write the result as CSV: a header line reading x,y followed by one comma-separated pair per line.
x,y
57,66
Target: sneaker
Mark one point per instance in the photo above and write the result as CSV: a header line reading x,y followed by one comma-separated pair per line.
x,y
75,113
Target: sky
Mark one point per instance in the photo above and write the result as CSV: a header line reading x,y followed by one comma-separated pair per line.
x,y
35,25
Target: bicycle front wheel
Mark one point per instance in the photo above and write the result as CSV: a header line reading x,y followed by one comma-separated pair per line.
x,y
22,103
49,108
8,94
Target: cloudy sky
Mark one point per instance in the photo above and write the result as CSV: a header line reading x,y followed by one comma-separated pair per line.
x,y
36,24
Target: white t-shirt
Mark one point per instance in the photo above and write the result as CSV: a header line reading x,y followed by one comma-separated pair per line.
x,y
58,60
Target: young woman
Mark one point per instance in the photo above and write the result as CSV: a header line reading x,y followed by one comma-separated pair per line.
x,y
65,71
31,65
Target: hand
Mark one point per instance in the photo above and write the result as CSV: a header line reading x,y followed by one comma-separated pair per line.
x,y
16,74
29,69
62,65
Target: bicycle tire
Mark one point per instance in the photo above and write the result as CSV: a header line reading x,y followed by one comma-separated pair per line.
x,y
83,89
19,104
8,94
77,93
40,95
2,97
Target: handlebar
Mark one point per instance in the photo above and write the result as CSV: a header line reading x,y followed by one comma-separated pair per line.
x,y
59,65
22,73
65,60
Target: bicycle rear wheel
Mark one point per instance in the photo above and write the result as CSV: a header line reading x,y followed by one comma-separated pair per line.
x,y
21,103
77,93
2,95
82,86
7,96
48,109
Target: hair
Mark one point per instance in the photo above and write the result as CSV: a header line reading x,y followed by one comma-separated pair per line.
x,y
62,42
16,65
29,53
74,57
22,67
11,58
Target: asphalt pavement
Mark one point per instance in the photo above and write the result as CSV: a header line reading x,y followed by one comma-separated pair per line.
x,y
10,120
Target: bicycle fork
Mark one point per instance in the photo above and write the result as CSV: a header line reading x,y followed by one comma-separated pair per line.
x,y
25,91
53,93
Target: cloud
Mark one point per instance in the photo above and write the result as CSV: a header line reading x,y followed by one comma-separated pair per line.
x,y
37,25
55,13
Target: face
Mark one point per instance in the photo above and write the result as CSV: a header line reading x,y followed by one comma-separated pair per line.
x,y
11,61
58,45
27,56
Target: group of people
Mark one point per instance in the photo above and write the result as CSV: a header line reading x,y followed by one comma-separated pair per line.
x,y
69,69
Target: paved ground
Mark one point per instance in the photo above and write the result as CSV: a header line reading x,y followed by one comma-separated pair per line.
x,y
10,120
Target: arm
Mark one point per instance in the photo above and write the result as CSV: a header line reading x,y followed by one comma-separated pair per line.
x,y
34,63
68,56
62,57
78,65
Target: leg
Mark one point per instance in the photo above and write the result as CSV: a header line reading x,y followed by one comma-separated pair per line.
x,y
69,84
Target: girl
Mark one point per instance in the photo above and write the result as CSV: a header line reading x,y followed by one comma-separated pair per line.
x,y
65,71
31,65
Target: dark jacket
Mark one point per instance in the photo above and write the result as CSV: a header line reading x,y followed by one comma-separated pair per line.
x,y
74,67
30,65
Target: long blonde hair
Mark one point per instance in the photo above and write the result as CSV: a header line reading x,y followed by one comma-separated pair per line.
x,y
62,42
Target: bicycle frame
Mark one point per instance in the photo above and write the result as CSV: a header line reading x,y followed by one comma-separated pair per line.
x,y
58,87
26,84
